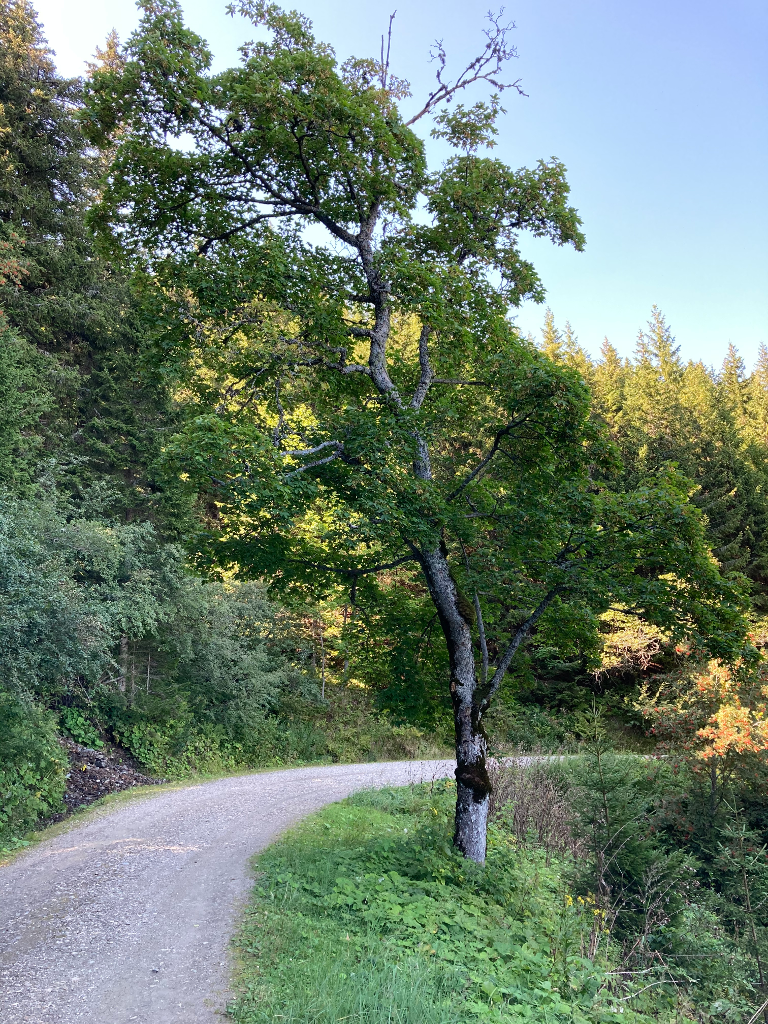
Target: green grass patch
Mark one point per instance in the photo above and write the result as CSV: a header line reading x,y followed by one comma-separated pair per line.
x,y
365,914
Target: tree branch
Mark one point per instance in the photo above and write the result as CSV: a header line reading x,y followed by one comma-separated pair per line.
x,y
486,67
426,376
358,332
384,73
355,574
203,249
298,452
312,465
500,435
483,642
292,204
521,633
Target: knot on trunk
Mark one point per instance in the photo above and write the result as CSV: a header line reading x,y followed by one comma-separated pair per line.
x,y
475,778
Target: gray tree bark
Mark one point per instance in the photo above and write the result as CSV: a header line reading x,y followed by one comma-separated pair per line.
x,y
473,785
472,781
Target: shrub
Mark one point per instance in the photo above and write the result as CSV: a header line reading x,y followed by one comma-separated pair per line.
x,y
531,798
75,724
32,767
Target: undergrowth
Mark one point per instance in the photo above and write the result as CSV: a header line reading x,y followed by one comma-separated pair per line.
x,y
364,913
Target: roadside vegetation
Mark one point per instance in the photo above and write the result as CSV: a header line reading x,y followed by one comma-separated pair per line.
x,y
595,900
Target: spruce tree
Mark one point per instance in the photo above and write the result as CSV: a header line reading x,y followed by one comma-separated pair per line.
x,y
733,385
662,411
551,343
757,399
608,380
43,175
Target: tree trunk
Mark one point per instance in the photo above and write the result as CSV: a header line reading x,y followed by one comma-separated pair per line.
x,y
473,787
472,783
123,664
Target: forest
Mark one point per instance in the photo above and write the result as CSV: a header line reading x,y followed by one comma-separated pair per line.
x,y
268,499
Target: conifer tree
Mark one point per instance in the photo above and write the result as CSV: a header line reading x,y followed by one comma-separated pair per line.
x,y
757,399
43,174
76,329
733,384
661,411
551,340
659,344
575,356
608,381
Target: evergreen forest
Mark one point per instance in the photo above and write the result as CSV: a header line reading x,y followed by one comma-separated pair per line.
x,y
270,501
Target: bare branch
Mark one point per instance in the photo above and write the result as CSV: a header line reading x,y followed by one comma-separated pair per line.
x,y
297,452
486,67
278,431
385,62
312,465
358,332
350,368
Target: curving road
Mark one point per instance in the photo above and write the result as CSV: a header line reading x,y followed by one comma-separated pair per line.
x,y
128,917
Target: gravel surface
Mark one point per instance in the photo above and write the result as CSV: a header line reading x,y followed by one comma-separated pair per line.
x,y
128,917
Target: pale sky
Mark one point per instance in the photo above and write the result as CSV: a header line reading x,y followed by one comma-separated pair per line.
x,y
657,107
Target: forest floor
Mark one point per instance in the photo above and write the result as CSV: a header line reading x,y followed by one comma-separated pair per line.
x,y
128,916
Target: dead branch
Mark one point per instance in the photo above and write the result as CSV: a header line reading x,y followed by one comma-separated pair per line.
x,y
486,67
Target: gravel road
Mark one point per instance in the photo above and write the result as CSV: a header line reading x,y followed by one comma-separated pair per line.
x,y
128,917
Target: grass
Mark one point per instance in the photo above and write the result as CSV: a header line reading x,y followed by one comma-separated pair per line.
x,y
364,914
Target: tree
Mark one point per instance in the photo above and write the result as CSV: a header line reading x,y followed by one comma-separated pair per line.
x,y
76,327
551,339
43,178
362,404
733,384
757,390
661,411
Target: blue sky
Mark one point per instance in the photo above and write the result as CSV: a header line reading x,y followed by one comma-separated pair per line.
x,y
658,109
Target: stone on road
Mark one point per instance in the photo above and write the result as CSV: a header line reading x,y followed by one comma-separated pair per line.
x,y
127,918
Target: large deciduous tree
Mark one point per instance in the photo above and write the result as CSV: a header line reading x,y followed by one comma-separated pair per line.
x,y
364,402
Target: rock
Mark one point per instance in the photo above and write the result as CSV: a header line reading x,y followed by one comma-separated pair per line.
x,y
95,773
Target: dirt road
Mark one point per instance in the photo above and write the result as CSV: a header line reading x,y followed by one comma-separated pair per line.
x,y
127,917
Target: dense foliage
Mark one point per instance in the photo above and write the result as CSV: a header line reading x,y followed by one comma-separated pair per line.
x,y
587,907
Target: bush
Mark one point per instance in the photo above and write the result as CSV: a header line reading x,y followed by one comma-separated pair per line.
x,y
678,903
32,767
76,725
531,798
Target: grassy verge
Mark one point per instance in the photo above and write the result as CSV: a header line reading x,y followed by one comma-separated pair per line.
x,y
364,914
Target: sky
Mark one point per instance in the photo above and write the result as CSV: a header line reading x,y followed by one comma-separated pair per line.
x,y
658,108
